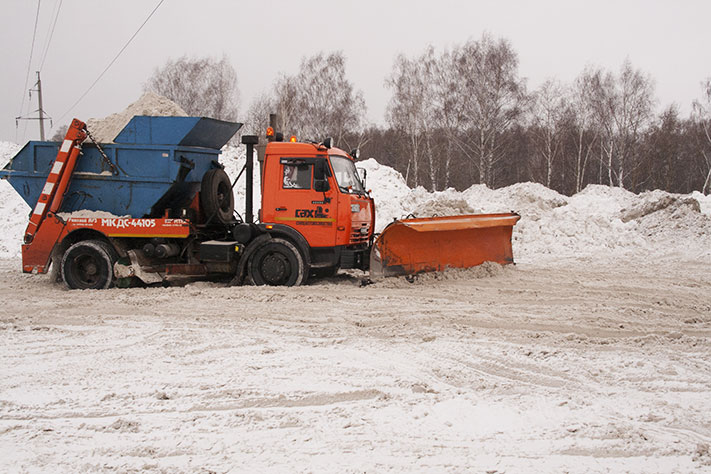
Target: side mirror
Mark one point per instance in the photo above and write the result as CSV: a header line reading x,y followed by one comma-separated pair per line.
x,y
363,173
320,176
321,185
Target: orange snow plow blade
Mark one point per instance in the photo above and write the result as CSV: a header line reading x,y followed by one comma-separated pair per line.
x,y
411,246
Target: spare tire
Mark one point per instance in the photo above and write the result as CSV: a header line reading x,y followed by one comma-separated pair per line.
x,y
216,198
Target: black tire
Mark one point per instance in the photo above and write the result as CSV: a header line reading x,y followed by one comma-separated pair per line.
x,y
277,262
216,196
89,264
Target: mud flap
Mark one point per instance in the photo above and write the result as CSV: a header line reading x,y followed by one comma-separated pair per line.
x,y
412,246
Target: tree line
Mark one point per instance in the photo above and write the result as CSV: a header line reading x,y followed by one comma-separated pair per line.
x,y
464,116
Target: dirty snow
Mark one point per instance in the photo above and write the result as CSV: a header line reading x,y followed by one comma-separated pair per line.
x,y
590,355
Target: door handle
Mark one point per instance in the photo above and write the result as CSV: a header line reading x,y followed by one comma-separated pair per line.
x,y
280,209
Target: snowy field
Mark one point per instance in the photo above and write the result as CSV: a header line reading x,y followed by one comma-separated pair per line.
x,y
592,354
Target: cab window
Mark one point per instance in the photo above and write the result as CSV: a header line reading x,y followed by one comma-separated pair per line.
x,y
346,174
297,176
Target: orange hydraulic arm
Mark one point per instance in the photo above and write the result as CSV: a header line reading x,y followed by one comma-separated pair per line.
x,y
58,179
38,245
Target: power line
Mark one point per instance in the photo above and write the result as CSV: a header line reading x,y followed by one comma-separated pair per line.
x,y
51,34
29,63
112,62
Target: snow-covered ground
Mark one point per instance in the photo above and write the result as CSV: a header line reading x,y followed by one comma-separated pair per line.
x,y
590,355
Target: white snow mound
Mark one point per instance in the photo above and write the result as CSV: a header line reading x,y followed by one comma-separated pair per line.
x,y
105,130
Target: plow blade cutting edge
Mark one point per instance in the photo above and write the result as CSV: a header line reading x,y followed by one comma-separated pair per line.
x,y
410,246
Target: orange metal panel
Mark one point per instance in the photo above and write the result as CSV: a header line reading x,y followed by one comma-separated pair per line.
x,y
130,227
36,254
412,246
428,224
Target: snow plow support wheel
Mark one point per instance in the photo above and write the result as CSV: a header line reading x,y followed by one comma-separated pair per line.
x,y
89,264
277,262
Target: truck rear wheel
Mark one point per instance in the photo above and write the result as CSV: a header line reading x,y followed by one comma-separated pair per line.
x,y
89,264
277,262
216,196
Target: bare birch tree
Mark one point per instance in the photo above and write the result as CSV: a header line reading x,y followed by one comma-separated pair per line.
x,y
447,113
410,111
492,97
702,114
200,86
549,107
623,106
584,128
316,103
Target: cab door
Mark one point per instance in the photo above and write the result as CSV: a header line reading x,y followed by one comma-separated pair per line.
x,y
301,201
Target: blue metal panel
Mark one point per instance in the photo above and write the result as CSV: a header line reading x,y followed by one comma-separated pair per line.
x,y
183,131
147,130
151,176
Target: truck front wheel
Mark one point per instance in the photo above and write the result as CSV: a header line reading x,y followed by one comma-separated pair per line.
x,y
277,262
89,264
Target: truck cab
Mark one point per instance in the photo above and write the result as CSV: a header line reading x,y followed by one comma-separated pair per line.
x,y
314,194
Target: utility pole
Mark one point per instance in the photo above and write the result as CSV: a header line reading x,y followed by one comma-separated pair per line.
x,y
40,110
42,115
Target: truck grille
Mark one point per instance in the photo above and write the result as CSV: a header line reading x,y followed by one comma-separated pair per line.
x,y
358,237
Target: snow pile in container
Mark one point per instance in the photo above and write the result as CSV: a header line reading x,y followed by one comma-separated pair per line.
x,y
105,130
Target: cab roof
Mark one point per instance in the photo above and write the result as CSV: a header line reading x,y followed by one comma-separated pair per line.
x,y
298,148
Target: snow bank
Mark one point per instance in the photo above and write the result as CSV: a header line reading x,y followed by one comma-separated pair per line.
x,y
14,212
233,158
598,223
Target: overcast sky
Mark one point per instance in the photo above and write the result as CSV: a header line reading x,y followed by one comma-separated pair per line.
x,y
556,38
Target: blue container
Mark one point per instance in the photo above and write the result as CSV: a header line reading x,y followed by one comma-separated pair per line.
x,y
160,163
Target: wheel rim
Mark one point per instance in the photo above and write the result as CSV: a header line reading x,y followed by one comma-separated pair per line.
x,y
276,262
275,268
85,268
223,200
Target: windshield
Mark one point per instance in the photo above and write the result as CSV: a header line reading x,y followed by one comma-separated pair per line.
x,y
346,174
